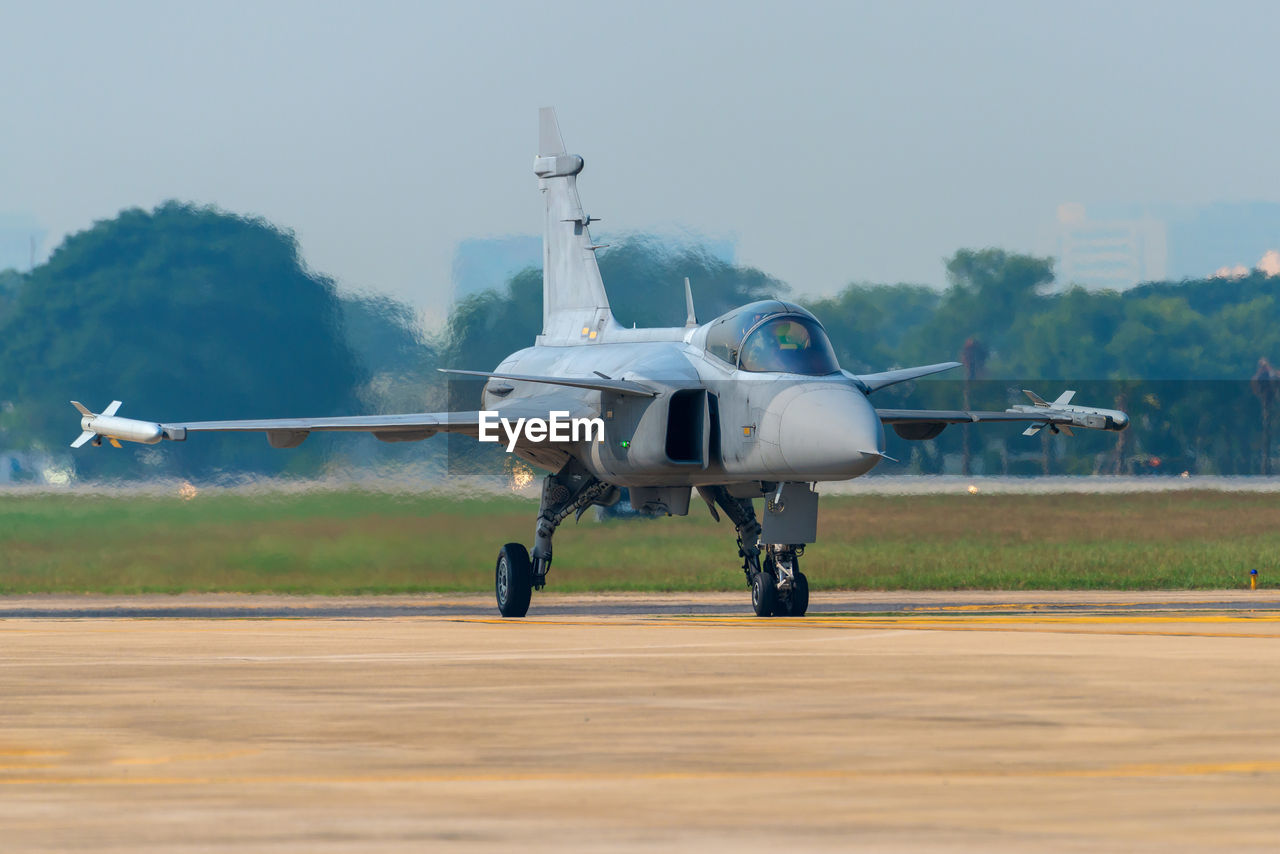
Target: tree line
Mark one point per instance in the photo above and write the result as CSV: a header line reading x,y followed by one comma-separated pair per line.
x,y
192,313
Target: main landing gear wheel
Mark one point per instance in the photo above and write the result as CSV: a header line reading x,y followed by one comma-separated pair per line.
x,y
513,580
764,594
789,600
799,596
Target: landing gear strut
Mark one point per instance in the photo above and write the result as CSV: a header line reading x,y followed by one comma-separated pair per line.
x,y
778,587
742,513
571,490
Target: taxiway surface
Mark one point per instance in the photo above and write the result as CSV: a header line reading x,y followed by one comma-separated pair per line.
x,y
959,722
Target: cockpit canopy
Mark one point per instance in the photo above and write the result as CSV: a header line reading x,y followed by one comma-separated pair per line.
x,y
772,335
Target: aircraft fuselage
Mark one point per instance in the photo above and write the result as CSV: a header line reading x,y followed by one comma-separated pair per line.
x,y
709,423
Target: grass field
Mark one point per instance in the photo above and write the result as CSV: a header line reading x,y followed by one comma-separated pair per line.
x,y
360,542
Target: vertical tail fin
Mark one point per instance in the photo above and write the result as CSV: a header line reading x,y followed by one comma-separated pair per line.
x,y
575,307
550,142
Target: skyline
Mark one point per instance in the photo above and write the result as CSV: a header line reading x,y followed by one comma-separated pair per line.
x,y
836,143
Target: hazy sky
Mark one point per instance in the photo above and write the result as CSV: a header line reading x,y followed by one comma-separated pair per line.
x,y
834,141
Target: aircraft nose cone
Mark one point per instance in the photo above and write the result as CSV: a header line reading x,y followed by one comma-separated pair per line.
x,y
830,432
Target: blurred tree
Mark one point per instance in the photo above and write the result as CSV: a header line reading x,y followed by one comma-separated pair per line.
x,y
1067,338
1266,387
185,313
645,281
486,327
973,356
991,293
871,326
383,334
10,282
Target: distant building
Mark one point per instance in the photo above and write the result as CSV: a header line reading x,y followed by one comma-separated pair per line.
x,y
1105,254
1118,246
1205,239
21,241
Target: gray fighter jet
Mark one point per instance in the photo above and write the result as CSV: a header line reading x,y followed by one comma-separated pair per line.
x,y
750,405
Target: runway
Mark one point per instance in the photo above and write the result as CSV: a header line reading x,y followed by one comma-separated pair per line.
x,y
887,722
216,606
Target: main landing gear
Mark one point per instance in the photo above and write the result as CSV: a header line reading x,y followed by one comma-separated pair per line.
x,y
571,490
778,587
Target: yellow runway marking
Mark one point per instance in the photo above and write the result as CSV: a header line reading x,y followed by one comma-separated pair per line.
x,y
996,618
1055,623
819,619
1019,623
1031,606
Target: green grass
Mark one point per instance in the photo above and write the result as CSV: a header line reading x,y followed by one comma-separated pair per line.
x,y
359,542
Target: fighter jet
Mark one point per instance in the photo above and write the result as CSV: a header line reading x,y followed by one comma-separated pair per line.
x,y
752,404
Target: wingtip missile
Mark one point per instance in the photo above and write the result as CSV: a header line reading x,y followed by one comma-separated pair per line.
x,y
108,425
1061,415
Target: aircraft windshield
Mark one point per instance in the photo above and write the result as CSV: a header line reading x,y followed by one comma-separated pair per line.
x,y
795,345
772,335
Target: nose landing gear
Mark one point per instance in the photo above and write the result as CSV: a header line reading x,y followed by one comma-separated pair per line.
x,y
778,587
